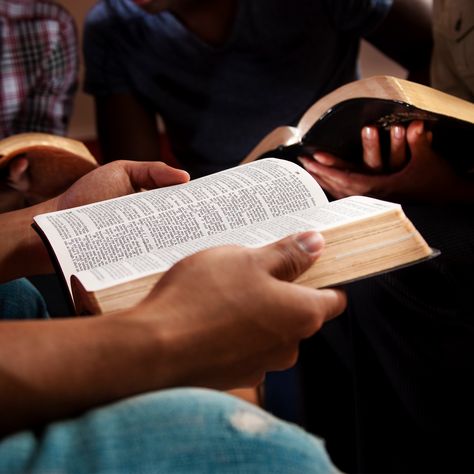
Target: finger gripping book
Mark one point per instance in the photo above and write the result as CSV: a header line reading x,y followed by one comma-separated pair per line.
x,y
112,253
333,123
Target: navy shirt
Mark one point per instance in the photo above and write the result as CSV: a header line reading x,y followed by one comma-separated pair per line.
x,y
219,102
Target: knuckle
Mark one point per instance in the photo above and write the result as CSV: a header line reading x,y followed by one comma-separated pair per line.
x,y
291,261
313,320
291,358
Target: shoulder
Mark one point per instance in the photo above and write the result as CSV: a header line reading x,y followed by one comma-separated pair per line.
x,y
109,11
358,15
15,10
348,14
46,19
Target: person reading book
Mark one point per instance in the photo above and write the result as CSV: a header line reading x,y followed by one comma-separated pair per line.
x,y
223,73
40,65
412,333
111,254
70,394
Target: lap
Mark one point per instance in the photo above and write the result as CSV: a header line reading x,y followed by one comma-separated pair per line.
x,y
172,431
19,299
406,349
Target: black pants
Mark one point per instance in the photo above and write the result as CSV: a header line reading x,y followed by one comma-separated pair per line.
x,y
388,383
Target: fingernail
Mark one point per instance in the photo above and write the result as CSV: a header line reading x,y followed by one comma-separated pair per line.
x,y
310,242
307,164
323,159
421,128
368,132
398,131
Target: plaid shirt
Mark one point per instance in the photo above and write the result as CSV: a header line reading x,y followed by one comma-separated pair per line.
x,y
38,67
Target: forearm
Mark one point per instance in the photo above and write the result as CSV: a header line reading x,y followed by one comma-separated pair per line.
x,y
22,252
63,367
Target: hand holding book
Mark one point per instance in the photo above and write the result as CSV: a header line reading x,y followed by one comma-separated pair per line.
x,y
417,172
112,253
233,308
378,160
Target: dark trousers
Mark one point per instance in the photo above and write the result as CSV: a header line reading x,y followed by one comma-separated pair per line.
x,y
388,383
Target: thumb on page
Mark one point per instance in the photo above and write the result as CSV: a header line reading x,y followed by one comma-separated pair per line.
x,y
290,257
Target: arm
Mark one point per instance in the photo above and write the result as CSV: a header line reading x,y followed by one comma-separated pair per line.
x,y
22,252
426,177
405,36
173,338
126,129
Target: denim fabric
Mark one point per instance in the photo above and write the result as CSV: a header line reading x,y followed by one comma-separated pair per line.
x,y
172,431
19,299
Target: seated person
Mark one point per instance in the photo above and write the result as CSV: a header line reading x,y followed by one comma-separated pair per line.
x,y
408,343
100,394
224,73
39,65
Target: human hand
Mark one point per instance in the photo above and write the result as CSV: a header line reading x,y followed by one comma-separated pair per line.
x,y
15,186
119,178
426,177
229,314
112,180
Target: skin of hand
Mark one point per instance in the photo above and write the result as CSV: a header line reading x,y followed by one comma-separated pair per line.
x,y
220,318
23,254
18,177
256,312
119,179
14,186
426,177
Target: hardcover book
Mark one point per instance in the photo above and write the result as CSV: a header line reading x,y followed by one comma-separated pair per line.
x,y
112,253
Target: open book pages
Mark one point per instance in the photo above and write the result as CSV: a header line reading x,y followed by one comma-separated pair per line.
x,y
116,250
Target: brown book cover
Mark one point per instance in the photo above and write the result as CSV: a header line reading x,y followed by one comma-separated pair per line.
x,y
54,162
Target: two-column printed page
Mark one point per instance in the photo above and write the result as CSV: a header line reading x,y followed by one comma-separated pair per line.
x,y
121,239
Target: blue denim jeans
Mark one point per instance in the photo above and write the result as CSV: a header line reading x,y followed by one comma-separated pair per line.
x,y
171,431
19,299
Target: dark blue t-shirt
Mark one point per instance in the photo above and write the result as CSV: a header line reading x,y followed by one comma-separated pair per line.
x,y
218,102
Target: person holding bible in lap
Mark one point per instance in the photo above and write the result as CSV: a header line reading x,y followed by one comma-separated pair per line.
x,y
102,394
223,73
410,333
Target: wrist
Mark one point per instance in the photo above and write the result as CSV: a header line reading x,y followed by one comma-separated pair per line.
x,y
146,351
173,353
25,253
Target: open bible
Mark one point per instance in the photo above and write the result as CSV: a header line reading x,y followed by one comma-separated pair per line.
x,y
334,122
112,253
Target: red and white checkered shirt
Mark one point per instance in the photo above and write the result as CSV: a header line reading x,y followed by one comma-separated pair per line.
x,y
38,67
